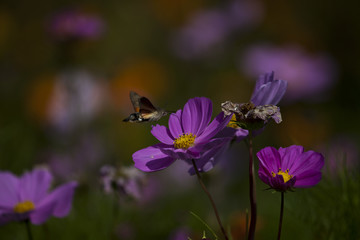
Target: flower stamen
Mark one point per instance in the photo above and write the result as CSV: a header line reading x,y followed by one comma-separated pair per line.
x,y
233,122
286,176
185,141
24,206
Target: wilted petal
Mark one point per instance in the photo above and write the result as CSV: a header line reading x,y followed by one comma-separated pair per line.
x,y
152,159
229,108
265,113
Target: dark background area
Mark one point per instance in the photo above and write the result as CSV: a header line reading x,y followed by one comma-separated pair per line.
x,y
66,70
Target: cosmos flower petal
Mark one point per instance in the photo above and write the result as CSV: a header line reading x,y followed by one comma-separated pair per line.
x,y
175,124
57,203
210,158
9,185
263,175
6,217
278,183
309,160
152,158
241,134
264,79
163,134
191,116
270,93
269,160
308,179
206,112
34,185
214,127
289,155
211,144
183,154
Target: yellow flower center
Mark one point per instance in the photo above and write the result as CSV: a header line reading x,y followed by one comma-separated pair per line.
x,y
232,122
286,175
185,141
23,207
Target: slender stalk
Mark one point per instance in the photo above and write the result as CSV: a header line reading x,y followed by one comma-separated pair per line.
x,y
281,215
211,200
28,229
252,190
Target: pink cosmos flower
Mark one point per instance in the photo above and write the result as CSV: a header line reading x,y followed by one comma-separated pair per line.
x,y
289,167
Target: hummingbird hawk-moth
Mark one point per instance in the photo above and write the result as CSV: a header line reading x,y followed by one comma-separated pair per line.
x,y
144,110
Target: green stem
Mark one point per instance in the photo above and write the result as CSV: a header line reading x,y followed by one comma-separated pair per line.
x,y
281,215
28,229
211,200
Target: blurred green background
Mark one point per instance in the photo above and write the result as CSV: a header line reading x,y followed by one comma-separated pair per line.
x,y
66,70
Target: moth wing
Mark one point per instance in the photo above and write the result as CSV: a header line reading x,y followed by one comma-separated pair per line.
x,y
146,106
135,100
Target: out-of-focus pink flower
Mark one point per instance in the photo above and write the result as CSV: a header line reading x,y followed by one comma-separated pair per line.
x,y
180,234
309,76
27,197
127,181
77,97
77,160
75,24
342,153
208,30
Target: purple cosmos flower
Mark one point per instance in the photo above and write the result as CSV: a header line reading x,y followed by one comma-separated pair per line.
x,y
310,76
76,24
289,167
208,30
27,197
189,136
